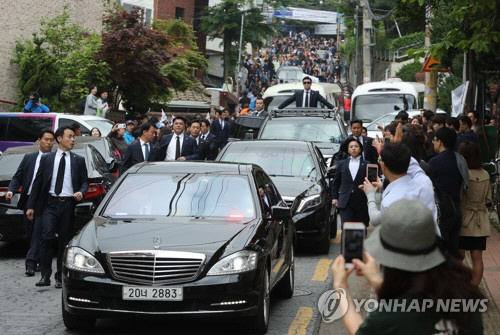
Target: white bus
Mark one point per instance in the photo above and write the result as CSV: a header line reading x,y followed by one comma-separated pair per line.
x,y
372,100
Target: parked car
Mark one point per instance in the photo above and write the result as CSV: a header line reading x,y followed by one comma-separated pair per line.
x,y
323,127
100,181
299,171
182,238
20,129
290,74
105,148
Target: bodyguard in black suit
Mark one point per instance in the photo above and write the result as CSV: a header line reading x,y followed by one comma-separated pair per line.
x,y
306,98
24,177
141,150
178,145
61,181
221,128
346,195
370,154
211,145
259,108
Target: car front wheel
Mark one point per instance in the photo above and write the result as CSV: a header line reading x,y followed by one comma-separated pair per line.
x,y
258,323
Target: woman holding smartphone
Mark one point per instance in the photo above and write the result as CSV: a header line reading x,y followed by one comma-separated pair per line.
x,y
350,173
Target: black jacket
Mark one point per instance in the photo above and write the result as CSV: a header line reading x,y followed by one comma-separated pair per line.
x,y
221,135
134,155
41,186
343,187
370,154
208,149
189,148
22,178
298,97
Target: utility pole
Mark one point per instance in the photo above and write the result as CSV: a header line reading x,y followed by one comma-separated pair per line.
x,y
367,30
430,99
355,81
238,75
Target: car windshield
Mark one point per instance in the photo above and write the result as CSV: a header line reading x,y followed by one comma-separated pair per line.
x,y
315,129
10,163
382,121
187,195
290,75
370,107
104,126
276,161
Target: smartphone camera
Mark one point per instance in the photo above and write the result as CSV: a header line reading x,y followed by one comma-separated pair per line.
x,y
352,242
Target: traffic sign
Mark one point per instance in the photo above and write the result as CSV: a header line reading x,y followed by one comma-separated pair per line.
x,y
432,64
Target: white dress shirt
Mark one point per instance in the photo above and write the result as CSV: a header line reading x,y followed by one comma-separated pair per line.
x,y
37,165
222,123
172,146
67,188
143,148
304,99
354,166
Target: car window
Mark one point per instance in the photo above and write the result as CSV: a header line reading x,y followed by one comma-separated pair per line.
x,y
275,161
63,122
104,126
191,195
267,200
4,121
9,164
27,129
98,162
384,121
321,160
314,130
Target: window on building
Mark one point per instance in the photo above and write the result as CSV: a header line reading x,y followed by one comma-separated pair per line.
x,y
179,13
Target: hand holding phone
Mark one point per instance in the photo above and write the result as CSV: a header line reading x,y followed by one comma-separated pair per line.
x,y
372,172
353,237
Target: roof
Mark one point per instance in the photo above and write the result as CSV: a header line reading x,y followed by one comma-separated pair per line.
x,y
26,149
196,93
271,143
384,87
191,167
80,116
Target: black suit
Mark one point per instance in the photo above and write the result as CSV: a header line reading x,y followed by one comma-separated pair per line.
x,y
22,178
263,113
352,202
189,148
57,214
134,155
221,135
208,149
298,97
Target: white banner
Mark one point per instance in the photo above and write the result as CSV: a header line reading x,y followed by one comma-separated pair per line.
x,y
303,14
325,29
458,96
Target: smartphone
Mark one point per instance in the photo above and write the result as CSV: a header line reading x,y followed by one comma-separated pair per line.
x,y
372,172
353,236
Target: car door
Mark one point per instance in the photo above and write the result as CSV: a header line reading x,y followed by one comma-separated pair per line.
x,y
273,227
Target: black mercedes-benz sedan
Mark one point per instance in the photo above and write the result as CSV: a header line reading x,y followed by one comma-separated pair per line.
x,y
182,238
299,171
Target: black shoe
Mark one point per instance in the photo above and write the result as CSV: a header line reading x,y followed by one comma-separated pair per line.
x,y
45,281
30,272
58,283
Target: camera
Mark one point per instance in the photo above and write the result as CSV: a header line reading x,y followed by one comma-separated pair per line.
x,y
36,97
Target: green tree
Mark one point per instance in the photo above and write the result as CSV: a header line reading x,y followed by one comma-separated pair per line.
x,y
224,21
408,71
59,63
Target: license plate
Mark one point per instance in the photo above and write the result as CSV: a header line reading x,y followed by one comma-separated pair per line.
x,y
152,293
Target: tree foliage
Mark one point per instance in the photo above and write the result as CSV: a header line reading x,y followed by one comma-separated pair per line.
x,y
145,62
224,21
59,64
408,71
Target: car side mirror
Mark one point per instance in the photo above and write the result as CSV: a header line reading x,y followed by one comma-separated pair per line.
x,y
330,173
280,213
85,209
113,166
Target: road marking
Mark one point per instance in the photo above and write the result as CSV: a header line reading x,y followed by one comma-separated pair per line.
x,y
322,268
337,238
301,321
278,265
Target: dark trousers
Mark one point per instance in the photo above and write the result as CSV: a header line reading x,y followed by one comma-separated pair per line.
x,y
356,209
57,218
450,233
33,235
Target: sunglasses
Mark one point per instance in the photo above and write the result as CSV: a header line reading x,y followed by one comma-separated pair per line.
x,y
307,82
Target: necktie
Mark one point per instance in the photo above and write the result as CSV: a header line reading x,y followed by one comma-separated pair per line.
x,y
307,99
60,174
147,151
178,148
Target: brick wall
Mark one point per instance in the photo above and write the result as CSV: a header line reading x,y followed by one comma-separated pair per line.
x,y
165,9
19,19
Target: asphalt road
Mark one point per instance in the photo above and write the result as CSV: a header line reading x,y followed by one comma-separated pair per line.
x,y
27,309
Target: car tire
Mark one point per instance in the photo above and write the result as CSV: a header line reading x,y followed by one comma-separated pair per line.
x,y
74,322
287,283
258,324
333,226
324,243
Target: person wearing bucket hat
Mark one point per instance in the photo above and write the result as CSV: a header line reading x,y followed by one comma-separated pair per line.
x,y
415,270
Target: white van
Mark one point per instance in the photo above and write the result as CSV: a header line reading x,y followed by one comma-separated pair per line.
x,y
276,94
372,100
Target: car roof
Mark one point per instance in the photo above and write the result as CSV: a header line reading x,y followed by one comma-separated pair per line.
x,y
193,167
266,143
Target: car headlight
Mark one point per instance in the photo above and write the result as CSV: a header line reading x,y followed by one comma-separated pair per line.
x,y
80,260
309,202
238,262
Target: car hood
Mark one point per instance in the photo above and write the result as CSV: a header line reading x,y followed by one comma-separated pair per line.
x,y
327,149
292,186
179,234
